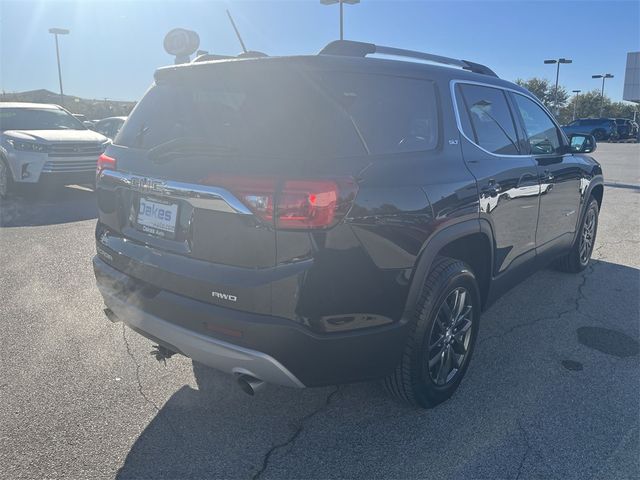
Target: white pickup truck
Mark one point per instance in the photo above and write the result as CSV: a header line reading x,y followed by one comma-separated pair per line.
x,y
45,143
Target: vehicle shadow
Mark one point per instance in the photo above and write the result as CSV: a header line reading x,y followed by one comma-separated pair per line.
x,y
50,206
530,405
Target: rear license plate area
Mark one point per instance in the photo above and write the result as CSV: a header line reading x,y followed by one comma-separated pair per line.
x,y
156,217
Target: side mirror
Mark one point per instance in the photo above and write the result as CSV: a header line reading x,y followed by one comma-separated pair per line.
x,y
582,143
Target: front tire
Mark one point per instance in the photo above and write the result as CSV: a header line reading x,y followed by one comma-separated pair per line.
x,y
578,257
6,180
439,349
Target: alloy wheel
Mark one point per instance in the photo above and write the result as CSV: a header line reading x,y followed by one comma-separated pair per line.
x,y
450,337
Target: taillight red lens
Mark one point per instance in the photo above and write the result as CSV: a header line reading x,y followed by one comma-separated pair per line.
x,y
105,162
307,204
292,204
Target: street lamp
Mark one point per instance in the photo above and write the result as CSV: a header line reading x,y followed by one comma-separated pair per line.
x,y
575,102
56,32
341,2
558,62
604,76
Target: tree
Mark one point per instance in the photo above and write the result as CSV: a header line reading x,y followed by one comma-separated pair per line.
x,y
589,106
545,91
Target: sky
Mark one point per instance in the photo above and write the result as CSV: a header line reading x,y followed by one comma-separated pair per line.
x,y
115,46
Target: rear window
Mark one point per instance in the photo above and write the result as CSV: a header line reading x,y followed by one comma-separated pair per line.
x,y
279,111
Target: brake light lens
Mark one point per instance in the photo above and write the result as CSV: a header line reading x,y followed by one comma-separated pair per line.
x,y
105,162
306,204
292,204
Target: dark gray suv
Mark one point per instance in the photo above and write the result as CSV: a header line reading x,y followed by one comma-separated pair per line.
x,y
600,128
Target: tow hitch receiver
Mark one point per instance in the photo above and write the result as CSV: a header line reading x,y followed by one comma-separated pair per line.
x,y
162,353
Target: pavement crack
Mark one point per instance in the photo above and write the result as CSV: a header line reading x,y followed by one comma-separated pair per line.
x,y
144,396
576,308
291,440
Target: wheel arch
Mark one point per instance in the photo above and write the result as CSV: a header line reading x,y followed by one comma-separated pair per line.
x,y
597,191
470,241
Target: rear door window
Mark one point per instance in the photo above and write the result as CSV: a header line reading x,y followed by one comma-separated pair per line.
x,y
490,124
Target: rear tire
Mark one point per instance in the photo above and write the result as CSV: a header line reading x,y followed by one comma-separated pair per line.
x,y
599,135
439,348
578,257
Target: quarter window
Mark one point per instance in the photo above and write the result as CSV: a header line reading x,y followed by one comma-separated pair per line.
x,y
541,131
490,123
393,114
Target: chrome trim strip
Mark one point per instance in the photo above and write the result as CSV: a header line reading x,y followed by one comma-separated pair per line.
x,y
200,196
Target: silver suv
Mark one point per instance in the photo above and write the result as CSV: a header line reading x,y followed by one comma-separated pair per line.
x,y
45,143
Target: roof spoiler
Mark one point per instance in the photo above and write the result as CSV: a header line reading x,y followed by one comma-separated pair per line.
x,y
205,57
350,48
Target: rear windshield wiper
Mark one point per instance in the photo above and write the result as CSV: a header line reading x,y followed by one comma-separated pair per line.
x,y
187,147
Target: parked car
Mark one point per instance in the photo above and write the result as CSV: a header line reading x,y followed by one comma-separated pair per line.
x,y
627,128
109,127
601,128
83,118
333,218
45,143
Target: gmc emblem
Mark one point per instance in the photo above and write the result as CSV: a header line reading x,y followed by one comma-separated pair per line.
x,y
147,185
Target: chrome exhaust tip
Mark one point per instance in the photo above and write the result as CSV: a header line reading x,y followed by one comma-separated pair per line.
x,y
250,385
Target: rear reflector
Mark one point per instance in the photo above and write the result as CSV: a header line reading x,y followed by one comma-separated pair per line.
x,y
292,204
105,162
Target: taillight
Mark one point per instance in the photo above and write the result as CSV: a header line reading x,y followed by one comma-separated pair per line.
x,y
105,162
292,204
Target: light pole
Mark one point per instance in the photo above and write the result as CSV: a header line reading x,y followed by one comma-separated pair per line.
x,y
558,62
56,32
341,2
575,102
604,76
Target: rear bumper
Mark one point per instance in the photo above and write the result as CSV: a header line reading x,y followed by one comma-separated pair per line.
x,y
213,352
272,349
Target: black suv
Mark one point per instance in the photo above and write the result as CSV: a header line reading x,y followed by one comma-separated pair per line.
x,y
627,128
601,128
323,219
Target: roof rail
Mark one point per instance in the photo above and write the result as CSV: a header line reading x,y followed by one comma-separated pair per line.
x,y
350,48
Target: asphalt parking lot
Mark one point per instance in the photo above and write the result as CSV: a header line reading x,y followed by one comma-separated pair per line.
x,y
553,390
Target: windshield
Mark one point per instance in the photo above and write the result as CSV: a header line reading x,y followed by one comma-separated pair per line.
x,y
38,119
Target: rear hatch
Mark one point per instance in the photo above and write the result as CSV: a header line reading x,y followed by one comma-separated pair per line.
x,y
210,163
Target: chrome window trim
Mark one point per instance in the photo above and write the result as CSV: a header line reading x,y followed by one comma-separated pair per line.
x,y
452,87
200,196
